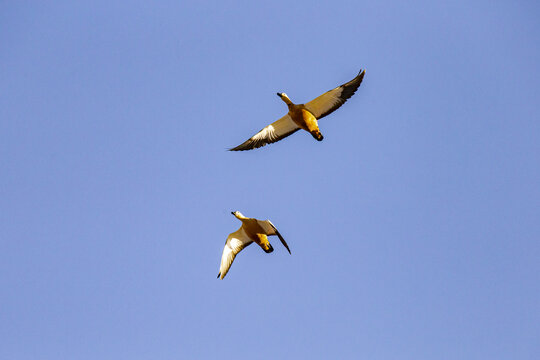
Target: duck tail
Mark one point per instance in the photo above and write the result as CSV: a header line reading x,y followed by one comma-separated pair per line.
x,y
317,135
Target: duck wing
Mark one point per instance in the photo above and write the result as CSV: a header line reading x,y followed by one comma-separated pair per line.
x,y
331,100
236,241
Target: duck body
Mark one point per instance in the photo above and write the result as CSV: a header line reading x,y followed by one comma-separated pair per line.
x,y
252,231
303,116
304,119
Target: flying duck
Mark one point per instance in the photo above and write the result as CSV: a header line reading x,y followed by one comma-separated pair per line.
x,y
252,230
303,116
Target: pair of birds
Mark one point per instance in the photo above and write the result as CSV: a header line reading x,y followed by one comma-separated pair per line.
x,y
300,116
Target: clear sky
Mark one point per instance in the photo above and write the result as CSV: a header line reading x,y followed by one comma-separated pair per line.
x,y
414,226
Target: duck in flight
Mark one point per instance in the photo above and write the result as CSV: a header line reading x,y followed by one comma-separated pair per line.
x,y
303,116
252,230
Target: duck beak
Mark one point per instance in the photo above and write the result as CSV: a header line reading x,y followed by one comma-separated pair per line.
x,y
232,212
278,94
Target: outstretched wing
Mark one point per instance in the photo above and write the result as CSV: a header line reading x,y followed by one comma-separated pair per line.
x,y
331,100
274,132
236,241
270,229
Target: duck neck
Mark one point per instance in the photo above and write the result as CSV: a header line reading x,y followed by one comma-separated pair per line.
x,y
287,101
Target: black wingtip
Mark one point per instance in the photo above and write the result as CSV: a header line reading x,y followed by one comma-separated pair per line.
x,y
282,239
240,148
361,74
289,250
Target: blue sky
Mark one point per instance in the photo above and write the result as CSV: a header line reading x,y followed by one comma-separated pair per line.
x,y
414,226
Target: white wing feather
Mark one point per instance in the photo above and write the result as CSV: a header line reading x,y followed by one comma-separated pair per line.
x,y
236,241
274,132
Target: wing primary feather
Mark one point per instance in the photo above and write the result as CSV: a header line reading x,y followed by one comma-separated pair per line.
x,y
281,239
